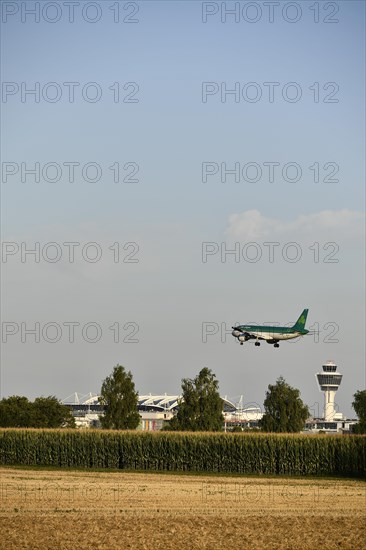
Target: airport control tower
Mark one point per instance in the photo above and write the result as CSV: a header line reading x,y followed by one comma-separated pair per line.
x,y
329,381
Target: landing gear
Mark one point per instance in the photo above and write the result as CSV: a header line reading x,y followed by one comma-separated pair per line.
x,y
257,343
276,345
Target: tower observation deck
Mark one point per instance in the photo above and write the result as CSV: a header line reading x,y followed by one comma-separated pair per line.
x,y
329,381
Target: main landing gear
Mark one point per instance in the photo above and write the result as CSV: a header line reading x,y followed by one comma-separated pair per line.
x,y
257,343
276,345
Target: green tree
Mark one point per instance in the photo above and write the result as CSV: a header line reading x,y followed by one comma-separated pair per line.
x,y
359,405
119,398
49,412
44,412
200,408
284,409
16,412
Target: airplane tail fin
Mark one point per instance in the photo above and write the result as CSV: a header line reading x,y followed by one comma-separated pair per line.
x,y
300,323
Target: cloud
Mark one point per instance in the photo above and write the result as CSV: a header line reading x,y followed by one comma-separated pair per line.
x,y
336,225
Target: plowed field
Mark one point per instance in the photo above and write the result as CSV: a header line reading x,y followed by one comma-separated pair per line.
x,y
62,510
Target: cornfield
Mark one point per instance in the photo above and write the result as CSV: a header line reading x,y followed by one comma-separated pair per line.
x,y
300,455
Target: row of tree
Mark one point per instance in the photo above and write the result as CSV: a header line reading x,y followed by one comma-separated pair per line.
x,y
200,408
44,412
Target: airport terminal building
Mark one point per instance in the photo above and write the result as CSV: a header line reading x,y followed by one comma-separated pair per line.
x,y
157,410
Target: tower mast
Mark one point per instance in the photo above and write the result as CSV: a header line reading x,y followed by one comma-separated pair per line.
x,y
329,381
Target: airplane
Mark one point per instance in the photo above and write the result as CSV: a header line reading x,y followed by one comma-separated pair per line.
x,y
271,334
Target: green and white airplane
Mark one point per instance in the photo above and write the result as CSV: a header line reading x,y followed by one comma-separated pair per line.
x,y
271,334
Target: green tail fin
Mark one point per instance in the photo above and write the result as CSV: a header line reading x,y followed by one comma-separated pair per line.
x,y
300,323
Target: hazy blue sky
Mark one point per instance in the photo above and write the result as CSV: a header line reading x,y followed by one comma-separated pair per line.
x,y
153,97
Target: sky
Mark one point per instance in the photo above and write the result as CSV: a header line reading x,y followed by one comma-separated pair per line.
x,y
170,169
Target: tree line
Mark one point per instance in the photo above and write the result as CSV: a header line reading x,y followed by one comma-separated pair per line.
x,y
44,412
200,407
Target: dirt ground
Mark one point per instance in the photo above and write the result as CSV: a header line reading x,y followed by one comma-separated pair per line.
x,y
64,510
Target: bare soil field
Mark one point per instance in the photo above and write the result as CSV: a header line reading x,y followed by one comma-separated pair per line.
x,y
64,510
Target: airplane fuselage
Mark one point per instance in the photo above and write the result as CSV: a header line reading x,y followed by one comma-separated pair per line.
x,y
271,334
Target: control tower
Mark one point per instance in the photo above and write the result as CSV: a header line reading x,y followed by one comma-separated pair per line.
x,y
329,381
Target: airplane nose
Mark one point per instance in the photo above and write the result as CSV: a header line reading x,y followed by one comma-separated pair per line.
x,y
236,332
